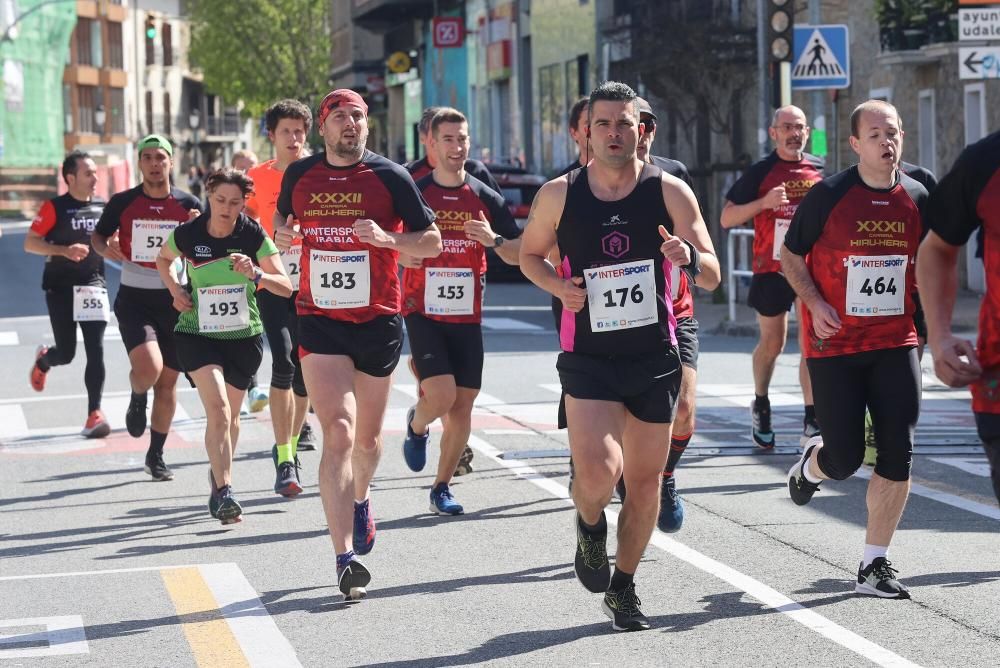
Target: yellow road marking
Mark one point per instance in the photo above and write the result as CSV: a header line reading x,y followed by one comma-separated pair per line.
x,y
206,630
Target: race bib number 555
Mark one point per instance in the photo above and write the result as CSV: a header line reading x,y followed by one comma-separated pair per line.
x,y
339,279
876,285
621,296
90,303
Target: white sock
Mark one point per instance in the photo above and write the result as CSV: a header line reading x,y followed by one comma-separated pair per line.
x,y
873,552
809,474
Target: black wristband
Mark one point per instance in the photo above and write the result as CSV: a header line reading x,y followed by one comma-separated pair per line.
x,y
693,268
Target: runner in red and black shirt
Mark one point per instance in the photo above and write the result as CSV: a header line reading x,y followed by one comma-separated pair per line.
x,y
967,200
850,254
73,281
443,299
133,227
353,211
768,193
424,166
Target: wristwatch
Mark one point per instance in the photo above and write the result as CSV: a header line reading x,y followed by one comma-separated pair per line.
x,y
258,274
498,241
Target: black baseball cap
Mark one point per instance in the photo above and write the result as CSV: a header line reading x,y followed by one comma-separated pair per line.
x,y
643,107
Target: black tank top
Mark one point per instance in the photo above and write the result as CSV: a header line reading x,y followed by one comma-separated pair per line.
x,y
74,224
615,246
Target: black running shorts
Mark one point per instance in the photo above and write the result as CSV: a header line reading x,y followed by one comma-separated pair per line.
x,y
770,294
239,358
446,349
687,342
373,346
887,382
145,316
648,385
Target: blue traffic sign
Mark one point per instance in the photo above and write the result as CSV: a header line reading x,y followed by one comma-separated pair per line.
x,y
821,57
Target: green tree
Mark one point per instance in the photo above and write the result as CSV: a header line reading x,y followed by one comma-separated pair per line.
x,y
259,51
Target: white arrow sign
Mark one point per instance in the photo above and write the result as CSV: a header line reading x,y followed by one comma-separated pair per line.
x,y
979,62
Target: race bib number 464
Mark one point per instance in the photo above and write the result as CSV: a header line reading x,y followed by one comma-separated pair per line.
x,y
339,279
876,285
621,296
148,236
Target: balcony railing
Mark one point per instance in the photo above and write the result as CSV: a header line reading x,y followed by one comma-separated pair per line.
x,y
906,25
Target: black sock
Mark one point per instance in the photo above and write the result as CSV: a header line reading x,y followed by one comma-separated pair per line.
x,y
677,447
620,579
156,442
43,364
599,528
762,403
810,413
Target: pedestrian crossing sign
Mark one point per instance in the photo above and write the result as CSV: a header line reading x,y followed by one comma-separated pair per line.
x,y
822,57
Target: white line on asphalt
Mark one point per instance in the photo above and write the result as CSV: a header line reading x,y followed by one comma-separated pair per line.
x,y
762,592
259,638
13,424
9,339
77,574
978,466
62,635
510,325
953,500
517,308
482,399
67,397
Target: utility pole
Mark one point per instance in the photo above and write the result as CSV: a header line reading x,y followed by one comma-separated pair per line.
x,y
819,135
762,80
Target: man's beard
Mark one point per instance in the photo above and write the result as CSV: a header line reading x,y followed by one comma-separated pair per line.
x,y
342,150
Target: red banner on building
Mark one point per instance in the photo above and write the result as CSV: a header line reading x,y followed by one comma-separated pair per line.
x,y
448,32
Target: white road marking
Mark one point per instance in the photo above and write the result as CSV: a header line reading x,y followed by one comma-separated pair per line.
x,y
67,397
13,424
111,333
63,635
953,500
510,325
259,638
9,339
741,394
762,592
483,399
979,466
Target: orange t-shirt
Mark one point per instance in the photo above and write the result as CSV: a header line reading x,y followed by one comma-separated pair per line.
x,y
264,201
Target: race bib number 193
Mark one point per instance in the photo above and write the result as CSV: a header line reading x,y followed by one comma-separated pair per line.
x,y
223,308
876,285
621,296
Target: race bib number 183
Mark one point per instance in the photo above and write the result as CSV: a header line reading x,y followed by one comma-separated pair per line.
x,y
339,279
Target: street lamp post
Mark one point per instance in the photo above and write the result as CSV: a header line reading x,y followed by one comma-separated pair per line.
x,y
194,120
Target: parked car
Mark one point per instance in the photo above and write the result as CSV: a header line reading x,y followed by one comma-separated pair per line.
x,y
518,187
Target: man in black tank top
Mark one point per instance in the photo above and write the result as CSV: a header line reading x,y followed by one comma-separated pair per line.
x,y
615,222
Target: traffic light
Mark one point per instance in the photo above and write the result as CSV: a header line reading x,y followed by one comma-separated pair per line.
x,y
150,28
780,27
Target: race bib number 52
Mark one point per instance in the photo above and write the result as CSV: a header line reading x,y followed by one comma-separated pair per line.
x,y
148,236
621,296
876,285
339,279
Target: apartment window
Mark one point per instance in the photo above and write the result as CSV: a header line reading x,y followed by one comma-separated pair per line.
x,y
68,107
87,97
975,112
84,50
116,111
884,94
149,112
166,113
116,57
96,45
927,139
168,44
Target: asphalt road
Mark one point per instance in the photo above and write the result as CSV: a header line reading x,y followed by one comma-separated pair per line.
x,y
100,566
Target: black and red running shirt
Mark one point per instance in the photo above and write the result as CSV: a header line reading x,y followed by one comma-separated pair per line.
x,y
968,199
921,175
860,245
326,201
770,225
683,299
453,206
65,221
418,169
132,213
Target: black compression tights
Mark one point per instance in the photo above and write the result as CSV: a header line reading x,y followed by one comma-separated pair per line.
x,y
60,303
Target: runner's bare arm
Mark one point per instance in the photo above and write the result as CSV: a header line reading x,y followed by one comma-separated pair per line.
x,y
937,279
423,243
539,238
107,247
688,224
274,278
826,322
734,215
168,274
36,244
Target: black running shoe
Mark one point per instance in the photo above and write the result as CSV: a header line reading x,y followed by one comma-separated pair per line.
x,y
307,438
135,416
622,608
230,510
353,579
213,498
286,483
156,468
879,579
760,430
800,489
591,562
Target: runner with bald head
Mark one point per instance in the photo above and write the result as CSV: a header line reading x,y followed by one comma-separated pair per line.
x,y
768,193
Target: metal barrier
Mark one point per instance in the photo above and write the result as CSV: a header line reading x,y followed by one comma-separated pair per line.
x,y
731,257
